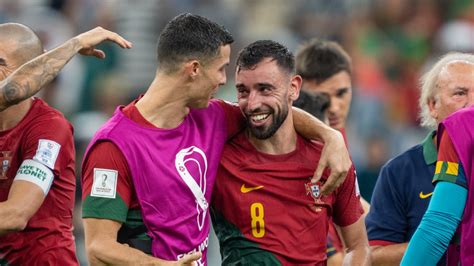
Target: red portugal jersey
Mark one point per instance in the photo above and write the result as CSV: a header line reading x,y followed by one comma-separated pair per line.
x,y
263,213
47,239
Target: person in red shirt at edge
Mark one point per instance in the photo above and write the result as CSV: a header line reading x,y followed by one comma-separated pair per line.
x,y
37,180
326,68
264,209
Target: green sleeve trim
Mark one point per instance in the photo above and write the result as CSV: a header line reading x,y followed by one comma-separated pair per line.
x,y
459,179
105,208
449,178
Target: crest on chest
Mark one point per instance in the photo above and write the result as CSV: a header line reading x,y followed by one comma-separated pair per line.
x,y
5,159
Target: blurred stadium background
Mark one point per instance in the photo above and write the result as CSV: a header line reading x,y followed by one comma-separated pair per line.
x,y
391,42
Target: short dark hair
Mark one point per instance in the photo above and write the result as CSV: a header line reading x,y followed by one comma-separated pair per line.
x,y
189,36
255,52
315,103
321,59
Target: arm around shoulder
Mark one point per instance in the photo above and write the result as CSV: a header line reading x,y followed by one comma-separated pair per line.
x,y
334,154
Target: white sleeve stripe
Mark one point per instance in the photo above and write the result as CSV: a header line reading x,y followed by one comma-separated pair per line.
x,y
36,173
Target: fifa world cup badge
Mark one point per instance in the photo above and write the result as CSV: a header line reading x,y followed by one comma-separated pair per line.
x,y
313,189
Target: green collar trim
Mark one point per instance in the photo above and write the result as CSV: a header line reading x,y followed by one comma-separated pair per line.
x,y
429,149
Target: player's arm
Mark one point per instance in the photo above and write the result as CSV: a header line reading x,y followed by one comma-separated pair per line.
x,y
24,198
445,210
355,240
335,259
32,76
43,150
334,155
438,225
388,254
103,249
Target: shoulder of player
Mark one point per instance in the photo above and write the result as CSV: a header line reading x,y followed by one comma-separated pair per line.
x,y
105,154
42,113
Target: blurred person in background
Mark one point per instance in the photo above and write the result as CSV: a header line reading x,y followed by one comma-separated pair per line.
x,y
404,186
262,213
37,181
326,68
376,155
315,103
182,133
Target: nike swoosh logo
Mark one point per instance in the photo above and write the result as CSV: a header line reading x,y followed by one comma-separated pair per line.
x,y
425,196
245,189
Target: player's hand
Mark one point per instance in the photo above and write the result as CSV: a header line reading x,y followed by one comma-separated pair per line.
x,y
88,40
336,157
189,259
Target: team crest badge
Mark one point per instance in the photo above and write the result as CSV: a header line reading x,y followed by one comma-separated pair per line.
x,y
5,159
313,189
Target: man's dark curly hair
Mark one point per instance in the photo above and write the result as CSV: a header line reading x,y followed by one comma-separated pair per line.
x,y
255,52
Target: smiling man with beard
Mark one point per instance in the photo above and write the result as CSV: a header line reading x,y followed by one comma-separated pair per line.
x,y
264,209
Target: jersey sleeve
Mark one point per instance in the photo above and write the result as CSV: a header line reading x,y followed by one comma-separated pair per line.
x,y
50,142
348,209
449,167
107,188
386,222
437,228
235,120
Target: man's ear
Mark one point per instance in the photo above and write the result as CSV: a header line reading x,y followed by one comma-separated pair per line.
x,y
432,107
192,68
295,87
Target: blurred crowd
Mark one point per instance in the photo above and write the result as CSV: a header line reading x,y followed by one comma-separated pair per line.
x,y
391,43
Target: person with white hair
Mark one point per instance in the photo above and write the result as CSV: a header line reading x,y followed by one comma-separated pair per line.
x,y
404,186
453,178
